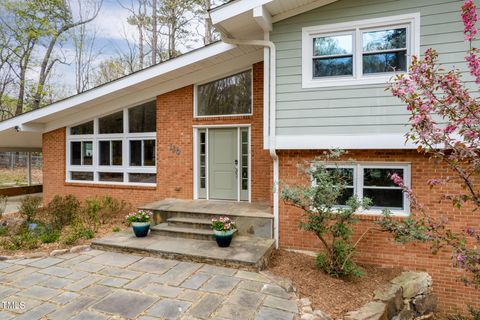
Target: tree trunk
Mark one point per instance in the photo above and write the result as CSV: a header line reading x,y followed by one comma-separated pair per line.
x,y
44,71
154,32
207,39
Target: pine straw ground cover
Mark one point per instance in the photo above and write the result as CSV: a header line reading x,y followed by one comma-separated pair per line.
x,y
331,295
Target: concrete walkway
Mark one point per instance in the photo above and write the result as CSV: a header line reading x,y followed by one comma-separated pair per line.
x,y
107,285
13,203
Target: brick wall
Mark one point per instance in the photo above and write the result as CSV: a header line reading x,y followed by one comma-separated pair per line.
x,y
174,169
378,247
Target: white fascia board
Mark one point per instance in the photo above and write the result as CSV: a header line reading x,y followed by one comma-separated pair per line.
x,y
233,9
302,9
120,84
368,141
263,18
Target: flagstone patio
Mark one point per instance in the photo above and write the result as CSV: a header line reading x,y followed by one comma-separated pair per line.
x,y
108,285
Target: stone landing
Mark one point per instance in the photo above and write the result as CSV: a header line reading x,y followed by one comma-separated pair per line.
x,y
245,252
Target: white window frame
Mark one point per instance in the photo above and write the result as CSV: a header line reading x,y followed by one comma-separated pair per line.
x,y
410,21
358,186
96,168
195,96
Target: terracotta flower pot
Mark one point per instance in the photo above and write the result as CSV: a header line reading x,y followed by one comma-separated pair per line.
x,y
141,229
224,238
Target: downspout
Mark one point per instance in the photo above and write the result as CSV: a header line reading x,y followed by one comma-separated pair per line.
x,y
272,112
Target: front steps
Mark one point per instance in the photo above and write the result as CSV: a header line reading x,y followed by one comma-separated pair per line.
x,y
183,232
168,230
244,253
192,218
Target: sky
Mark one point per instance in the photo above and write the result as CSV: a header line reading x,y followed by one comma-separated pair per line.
x,y
111,27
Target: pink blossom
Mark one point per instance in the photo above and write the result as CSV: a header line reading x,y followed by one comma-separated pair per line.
x,y
434,182
470,18
397,179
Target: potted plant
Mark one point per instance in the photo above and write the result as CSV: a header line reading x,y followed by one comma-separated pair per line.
x,y
223,228
140,221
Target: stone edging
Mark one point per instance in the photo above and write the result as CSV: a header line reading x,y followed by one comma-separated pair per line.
x,y
406,297
53,253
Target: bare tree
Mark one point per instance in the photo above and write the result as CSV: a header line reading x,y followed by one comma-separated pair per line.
x,y
37,29
62,22
154,32
175,17
110,70
6,77
206,5
140,19
85,53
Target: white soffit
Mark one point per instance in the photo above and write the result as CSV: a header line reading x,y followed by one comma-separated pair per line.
x,y
216,60
240,18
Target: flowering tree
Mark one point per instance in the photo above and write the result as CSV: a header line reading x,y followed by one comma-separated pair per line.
x,y
445,126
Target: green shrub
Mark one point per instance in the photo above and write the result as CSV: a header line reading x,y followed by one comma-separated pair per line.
x,y
29,207
100,210
116,229
49,236
92,210
77,232
24,240
331,223
3,231
63,211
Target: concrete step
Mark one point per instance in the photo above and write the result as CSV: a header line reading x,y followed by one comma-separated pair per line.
x,y
252,219
165,229
248,253
194,223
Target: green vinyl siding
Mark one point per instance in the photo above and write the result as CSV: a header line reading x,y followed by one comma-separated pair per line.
x,y
365,109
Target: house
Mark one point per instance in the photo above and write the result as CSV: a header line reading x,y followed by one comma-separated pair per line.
x,y
289,79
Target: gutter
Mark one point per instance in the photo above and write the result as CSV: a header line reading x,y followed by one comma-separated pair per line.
x,y
272,116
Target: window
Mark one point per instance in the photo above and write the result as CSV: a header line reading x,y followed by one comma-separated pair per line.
x,y
112,123
228,96
110,153
346,174
81,153
82,129
142,153
119,148
360,52
374,182
378,186
333,56
142,118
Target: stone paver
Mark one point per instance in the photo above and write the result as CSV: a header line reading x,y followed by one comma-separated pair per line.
x,y
106,285
221,284
266,313
125,304
114,259
169,309
206,306
41,293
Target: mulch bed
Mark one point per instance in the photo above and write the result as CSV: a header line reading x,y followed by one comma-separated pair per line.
x,y
103,230
331,295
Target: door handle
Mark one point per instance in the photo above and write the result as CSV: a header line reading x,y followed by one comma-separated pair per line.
x,y
236,168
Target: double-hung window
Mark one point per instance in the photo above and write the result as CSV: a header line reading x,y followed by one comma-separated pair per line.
x,y
358,52
118,148
374,182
